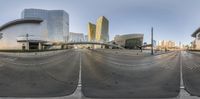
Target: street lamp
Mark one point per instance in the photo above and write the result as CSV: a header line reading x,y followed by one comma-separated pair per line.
x,y
152,41
1,35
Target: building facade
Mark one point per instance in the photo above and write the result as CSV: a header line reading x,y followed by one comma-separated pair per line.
x,y
76,37
196,42
57,22
23,34
91,32
129,41
37,29
102,26
86,38
166,44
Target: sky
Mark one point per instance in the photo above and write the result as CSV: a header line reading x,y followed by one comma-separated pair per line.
x,y
172,20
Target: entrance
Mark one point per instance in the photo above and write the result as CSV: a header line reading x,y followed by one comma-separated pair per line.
x,y
133,43
33,45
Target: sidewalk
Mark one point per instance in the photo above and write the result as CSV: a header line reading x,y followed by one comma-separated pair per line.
x,y
131,52
32,54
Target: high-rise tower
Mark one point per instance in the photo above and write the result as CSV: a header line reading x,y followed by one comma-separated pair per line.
x,y
57,22
102,29
91,32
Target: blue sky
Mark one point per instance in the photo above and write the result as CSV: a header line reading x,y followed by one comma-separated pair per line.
x,y
172,19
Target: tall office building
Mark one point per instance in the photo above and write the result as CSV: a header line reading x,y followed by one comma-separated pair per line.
x,y
91,32
102,29
76,37
166,44
57,22
37,29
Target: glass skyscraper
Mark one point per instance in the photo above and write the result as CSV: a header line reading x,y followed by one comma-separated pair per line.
x,y
57,22
102,29
91,32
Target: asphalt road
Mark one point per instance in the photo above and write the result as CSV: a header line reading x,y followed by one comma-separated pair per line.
x,y
44,76
191,73
103,75
116,76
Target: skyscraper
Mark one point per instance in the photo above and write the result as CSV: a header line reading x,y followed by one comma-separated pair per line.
x,y
91,32
102,29
57,22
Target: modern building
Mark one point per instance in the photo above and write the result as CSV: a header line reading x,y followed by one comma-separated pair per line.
x,y
86,38
129,41
196,42
23,34
57,22
102,26
76,37
166,44
37,29
91,32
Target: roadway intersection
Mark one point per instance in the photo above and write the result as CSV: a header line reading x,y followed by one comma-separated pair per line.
x,y
102,75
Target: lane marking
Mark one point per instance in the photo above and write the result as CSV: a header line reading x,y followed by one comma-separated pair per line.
x,y
79,82
181,72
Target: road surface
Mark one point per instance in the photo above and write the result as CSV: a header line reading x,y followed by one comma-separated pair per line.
x,y
116,76
104,75
44,76
191,72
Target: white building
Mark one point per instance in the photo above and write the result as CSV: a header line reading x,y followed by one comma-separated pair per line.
x,y
76,37
35,30
166,44
86,38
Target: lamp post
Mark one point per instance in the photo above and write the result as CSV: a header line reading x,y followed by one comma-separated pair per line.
x,y
1,35
152,41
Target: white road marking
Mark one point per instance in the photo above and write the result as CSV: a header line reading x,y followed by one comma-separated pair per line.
x,y
79,82
181,72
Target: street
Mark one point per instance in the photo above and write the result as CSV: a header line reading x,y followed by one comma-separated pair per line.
x,y
117,76
103,74
44,76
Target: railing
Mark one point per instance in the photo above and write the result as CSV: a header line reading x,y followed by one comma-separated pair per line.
x,y
94,43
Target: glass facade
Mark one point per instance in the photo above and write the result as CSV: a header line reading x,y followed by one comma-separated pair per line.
x,y
91,31
102,29
57,22
133,43
129,41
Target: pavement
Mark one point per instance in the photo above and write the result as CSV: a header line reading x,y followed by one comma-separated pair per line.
x,y
43,76
191,73
98,74
32,54
144,77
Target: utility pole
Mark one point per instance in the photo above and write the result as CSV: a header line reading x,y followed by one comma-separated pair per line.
x,y
27,42
1,35
152,41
